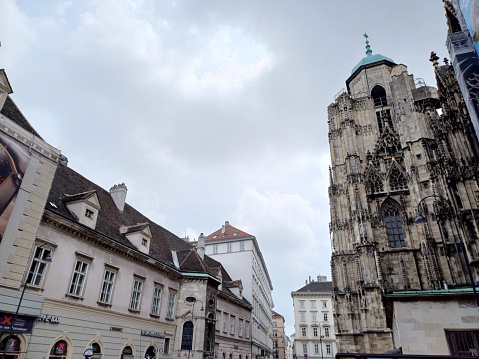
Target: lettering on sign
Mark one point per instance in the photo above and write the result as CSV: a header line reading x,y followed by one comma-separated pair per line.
x,y
116,329
49,318
147,333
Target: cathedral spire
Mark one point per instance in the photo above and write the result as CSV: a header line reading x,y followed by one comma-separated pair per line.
x,y
369,52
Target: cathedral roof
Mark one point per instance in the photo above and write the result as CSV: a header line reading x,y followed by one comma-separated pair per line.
x,y
370,58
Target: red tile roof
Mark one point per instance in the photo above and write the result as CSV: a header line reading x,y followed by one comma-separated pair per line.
x,y
227,232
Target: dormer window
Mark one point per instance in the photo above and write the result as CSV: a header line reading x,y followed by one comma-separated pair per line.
x,y
89,213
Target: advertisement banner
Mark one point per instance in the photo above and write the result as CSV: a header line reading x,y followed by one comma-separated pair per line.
x,y
22,324
470,11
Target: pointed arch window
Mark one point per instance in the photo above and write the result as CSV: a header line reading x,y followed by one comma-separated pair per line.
x,y
392,219
397,179
187,337
374,182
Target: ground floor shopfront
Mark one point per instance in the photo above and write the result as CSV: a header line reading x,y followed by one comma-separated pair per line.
x,y
66,330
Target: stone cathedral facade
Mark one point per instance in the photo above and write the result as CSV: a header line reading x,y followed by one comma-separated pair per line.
x,y
394,141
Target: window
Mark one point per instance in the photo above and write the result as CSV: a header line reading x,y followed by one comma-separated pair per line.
x,y
326,332
78,278
150,352
187,337
171,305
218,320
59,350
144,242
89,213
463,342
378,93
127,353
166,347
315,331
241,244
325,317
232,324
328,348
229,246
303,331
275,343
97,352
107,286
316,348
313,304
39,266
314,316
324,304
305,349
136,294
301,304
392,219
11,346
215,249
303,316
155,304
240,327
246,327
225,322
275,324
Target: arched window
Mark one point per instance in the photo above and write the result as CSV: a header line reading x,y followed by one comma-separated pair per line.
x,y
379,96
150,352
97,352
127,353
11,346
187,338
392,219
59,350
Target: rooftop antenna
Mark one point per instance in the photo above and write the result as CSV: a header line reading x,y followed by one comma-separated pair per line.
x,y
368,47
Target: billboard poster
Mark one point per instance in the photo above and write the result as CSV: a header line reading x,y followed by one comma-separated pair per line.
x,y
470,12
13,164
20,324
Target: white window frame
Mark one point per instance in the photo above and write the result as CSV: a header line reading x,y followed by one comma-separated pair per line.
x,y
302,316
229,247
136,290
305,348
328,348
171,304
325,317
301,304
215,249
326,332
314,316
107,286
79,277
325,304
247,329
232,324
39,266
315,332
156,301
241,243
225,322
218,321
303,332
313,304
90,214
240,327
316,348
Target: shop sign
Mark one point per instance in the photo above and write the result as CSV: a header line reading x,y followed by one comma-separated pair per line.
x,y
147,333
49,318
23,324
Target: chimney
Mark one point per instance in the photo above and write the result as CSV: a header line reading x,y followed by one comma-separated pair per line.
x,y
118,193
309,279
200,247
63,160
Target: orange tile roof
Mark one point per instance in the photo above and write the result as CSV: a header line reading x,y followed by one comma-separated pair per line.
x,y
230,232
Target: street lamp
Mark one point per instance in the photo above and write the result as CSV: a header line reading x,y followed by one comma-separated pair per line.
x,y
421,219
321,336
47,259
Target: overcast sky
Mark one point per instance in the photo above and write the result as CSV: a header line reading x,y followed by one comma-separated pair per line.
x,y
209,111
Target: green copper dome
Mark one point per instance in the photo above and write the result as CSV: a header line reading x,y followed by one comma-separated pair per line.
x,y
370,58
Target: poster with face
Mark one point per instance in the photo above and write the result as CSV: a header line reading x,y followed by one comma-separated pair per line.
x,y
13,164
470,11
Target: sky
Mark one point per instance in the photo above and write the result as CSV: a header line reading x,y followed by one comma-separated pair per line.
x,y
209,111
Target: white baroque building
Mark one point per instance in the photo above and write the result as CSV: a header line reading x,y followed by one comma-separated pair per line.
x,y
313,320
239,252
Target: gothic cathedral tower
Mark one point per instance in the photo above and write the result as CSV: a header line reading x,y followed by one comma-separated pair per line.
x,y
393,142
